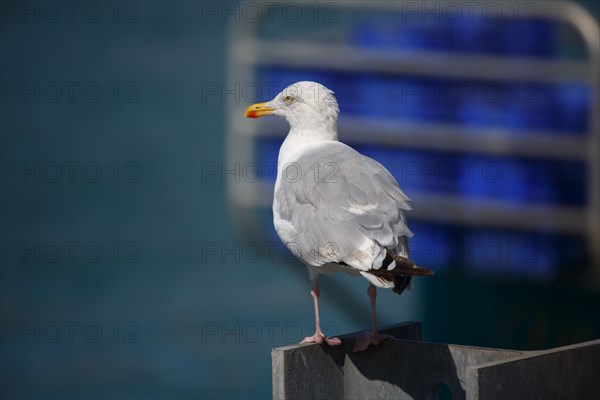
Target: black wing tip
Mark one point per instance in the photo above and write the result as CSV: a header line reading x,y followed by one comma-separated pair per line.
x,y
401,283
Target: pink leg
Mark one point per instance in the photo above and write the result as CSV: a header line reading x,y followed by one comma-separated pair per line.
x,y
372,291
319,337
363,340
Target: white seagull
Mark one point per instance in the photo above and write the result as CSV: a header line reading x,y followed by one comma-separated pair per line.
x,y
335,209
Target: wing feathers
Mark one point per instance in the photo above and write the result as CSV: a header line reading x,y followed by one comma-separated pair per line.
x,y
351,216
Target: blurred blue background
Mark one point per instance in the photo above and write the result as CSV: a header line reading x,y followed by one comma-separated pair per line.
x,y
138,254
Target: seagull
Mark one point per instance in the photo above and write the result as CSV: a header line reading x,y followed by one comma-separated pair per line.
x,y
335,209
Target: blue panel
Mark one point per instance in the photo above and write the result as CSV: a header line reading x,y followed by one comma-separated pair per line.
x,y
513,106
496,252
451,33
510,179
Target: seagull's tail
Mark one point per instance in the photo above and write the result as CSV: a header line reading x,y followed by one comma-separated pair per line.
x,y
401,283
397,270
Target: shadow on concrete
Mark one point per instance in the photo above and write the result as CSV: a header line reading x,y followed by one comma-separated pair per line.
x,y
404,368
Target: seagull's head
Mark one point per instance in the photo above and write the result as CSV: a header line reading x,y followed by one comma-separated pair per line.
x,y
307,106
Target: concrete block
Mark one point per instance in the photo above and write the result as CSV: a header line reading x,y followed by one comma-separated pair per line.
x,y
407,368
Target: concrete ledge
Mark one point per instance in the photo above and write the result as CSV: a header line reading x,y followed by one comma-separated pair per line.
x,y
410,369
570,372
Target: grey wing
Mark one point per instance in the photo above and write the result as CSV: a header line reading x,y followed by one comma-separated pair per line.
x,y
346,208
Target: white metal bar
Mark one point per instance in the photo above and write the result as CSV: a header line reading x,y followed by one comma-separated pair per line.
x,y
447,137
499,214
341,57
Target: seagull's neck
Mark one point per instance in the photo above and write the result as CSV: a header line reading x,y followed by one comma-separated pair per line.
x,y
298,139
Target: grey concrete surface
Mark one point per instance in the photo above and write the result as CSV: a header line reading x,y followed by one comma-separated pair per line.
x,y
407,368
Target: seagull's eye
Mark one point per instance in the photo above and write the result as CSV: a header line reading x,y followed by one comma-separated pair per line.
x,y
288,99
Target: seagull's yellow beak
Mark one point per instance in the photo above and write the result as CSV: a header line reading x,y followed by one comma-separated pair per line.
x,y
258,110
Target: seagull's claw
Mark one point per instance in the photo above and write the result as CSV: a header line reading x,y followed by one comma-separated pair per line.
x,y
321,338
362,341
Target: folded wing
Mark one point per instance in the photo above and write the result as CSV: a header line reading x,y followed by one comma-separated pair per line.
x,y
334,205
